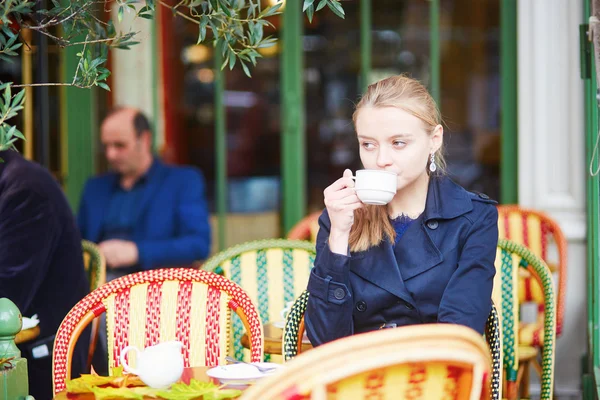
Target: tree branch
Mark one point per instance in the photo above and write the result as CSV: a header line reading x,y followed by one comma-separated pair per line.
x,y
49,84
179,13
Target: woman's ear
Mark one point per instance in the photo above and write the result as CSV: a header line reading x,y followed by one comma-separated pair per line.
x,y
437,138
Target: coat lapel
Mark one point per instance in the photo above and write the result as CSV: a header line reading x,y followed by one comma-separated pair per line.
x,y
414,262
390,266
379,266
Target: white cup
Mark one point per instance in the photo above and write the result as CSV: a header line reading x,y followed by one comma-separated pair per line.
x,y
375,186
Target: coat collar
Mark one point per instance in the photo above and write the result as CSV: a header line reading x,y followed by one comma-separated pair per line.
x,y
390,266
445,199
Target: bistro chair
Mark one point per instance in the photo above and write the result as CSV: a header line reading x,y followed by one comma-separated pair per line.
x,y
429,361
95,267
306,229
294,331
150,307
536,231
273,272
511,257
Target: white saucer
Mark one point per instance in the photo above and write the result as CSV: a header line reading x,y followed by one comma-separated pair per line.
x,y
240,374
279,324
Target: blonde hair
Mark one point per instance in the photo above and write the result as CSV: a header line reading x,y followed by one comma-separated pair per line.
x,y
371,223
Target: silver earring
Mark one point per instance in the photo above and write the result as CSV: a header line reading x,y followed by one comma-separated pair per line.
x,y
432,166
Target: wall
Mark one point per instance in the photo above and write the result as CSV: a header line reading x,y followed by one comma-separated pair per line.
x,y
552,153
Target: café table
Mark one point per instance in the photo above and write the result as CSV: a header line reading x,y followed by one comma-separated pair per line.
x,y
198,373
27,335
273,337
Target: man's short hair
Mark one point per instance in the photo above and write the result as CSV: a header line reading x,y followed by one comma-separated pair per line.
x,y
140,121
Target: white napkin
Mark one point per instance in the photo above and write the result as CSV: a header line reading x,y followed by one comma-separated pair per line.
x,y
29,323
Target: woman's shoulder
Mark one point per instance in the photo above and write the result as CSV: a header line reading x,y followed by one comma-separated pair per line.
x,y
480,203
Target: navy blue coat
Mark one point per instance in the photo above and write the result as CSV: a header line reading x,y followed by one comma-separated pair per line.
x,y
172,226
41,265
441,270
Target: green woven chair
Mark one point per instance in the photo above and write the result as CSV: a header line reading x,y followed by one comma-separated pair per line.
x,y
294,331
273,272
95,266
510,256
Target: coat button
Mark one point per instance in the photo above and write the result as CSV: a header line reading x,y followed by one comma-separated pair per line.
x,y
484,196
409,306
361,306
433,224
339,293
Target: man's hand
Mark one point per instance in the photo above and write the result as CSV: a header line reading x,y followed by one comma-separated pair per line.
x,y
119,253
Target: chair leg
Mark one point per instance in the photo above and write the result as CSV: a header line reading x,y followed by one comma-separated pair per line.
x,y
93,340
523,380
511,391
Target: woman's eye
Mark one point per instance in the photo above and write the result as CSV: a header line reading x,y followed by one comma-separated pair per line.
x,y
368,145
399,143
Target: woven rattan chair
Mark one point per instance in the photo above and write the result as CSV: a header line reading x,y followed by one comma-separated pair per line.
x,y
95,266
536,231
272,272
294,331
430,361
306,229
510,258
150,307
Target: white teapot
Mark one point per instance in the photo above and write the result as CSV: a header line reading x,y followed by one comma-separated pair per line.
x,y
158,366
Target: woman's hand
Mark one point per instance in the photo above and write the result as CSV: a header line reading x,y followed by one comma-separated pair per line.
x,y
341,201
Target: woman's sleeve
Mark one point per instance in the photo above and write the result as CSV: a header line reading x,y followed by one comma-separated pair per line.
x,y
329,310
467,299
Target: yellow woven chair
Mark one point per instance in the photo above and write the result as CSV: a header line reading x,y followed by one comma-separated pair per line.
x,y
434,361
149,307
95,266
536,231
273,272
511,257
306,229
294,331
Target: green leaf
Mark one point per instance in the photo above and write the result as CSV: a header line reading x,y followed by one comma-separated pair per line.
x,y
120,14
116,393
7,95
270,11
232,59
336,7
104,86
310,11
322,4
11,132
307,3
18,134
197,389
18,99
246,70
202,29
225,8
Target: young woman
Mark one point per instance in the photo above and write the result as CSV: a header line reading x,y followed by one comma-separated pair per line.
x,y
427,256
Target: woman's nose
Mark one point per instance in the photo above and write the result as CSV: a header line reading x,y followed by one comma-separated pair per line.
x,y
383,159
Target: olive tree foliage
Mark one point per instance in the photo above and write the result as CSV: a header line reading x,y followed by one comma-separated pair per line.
x,y
234,27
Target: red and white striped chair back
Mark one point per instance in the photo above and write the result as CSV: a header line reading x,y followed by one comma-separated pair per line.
x,y
146,308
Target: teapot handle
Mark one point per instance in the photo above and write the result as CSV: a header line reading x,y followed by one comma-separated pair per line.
x,y
126,366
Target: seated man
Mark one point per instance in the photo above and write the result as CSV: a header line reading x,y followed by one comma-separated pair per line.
x,y
145,214
41,265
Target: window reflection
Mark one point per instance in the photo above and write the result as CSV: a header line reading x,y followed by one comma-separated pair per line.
x,y
469,43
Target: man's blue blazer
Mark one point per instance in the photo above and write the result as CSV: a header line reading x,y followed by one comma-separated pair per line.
x,y
172,222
